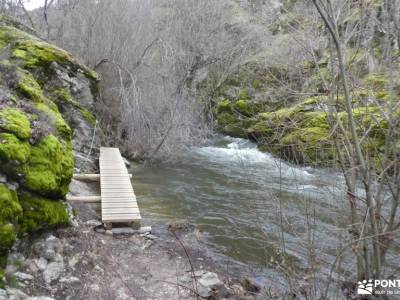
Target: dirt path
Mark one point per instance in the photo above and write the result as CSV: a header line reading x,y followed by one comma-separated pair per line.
x,y
81,263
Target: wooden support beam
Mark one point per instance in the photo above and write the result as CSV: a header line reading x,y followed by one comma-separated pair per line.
x,y
92,177
86,199
130,230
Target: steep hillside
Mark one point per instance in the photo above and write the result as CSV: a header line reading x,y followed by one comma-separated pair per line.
x,y
46,99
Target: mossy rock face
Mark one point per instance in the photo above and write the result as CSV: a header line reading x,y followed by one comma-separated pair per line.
x,y
41,213
49,169
10,213
301,133
297,128
13,150
247,107
29,87
35,54
45,168
41,86
14,121
64,98
56,119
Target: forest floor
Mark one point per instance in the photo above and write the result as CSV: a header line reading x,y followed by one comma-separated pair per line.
x,y
81,262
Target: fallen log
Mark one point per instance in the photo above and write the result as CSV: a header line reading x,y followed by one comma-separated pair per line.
x,y
89,177
86,199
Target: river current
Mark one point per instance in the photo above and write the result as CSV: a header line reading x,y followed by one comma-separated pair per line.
x,y
251,206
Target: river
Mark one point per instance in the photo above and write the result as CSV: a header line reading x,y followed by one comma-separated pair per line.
x,y
251,206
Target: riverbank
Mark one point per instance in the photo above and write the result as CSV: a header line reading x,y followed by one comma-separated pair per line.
x,y
80,262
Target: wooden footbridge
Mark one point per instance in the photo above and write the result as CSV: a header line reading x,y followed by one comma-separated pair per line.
x,y
118,200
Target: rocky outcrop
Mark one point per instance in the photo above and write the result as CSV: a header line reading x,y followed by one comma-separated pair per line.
x,y
299,127
46,104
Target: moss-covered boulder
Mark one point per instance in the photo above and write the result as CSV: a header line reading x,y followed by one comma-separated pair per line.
x,y
303,132
41,213
49,168
10,213
15,121
46,113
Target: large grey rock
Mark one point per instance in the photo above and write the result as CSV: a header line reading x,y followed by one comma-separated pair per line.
x,y
84,163
40,298
93,223
71,279
23,276
53,271
16,294
38,248
41,263
49,254
53,243
3,294
207,281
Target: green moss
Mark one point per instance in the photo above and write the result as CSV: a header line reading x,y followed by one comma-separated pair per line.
x,y
226,118
383,95
50,168
13,149
243,95
312,101
92,75
38,54
9,34
2,45
247,107
256,84
16,122
235,130
279,115
310,145
35,53
7,236
41,213
29,87
314,119
88,116
377,81
224,106
10,213
241,106
308,135
260,129
2,277
10,210
62,127
64,96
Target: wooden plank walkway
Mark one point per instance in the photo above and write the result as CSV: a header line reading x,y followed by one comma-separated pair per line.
x,y
118,200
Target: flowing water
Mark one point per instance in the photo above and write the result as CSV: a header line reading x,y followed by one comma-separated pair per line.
x,y
241,198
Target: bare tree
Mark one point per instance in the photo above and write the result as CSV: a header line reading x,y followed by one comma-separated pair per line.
x,y
373,231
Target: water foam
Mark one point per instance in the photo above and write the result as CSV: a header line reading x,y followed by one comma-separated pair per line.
x,y
245,153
